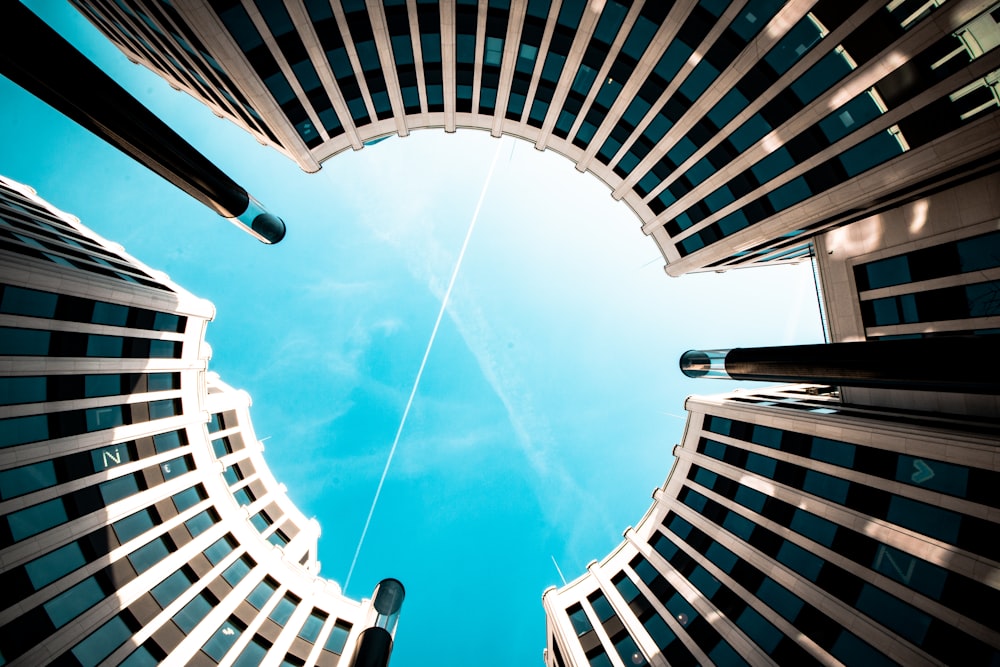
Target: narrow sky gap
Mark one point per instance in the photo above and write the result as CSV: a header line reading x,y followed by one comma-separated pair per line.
x,y
423,362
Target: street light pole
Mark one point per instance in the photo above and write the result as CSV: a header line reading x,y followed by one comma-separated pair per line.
x,y
37,58
967,364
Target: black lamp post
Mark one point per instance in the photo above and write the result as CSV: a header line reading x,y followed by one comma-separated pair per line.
x,y
375,643
968,364
37,58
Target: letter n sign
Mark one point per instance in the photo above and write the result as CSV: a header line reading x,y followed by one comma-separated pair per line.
x,y
111,456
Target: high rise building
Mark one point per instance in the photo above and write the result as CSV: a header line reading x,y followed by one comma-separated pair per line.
x,y
806,524
930,267
735,130
139,521
795,530
827,525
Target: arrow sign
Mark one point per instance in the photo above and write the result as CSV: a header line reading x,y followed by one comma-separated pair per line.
x,y
922,471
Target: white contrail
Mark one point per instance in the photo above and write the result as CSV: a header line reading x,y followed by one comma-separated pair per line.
x,y
559,570
423,362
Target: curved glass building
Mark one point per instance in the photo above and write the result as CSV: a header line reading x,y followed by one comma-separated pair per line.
x,y
735,130
138,518
797,530
804,525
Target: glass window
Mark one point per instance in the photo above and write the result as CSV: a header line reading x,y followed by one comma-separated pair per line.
x,y
219,550
242,496
715,449
15,390
658,629
924,518
852,651
749,498
162,409
174,467
738,525
870,152
235,572
980,252
45,569
191,614
19,430
19,481
283,610
826,486
767,436
852,115
171,588
629,591
102,642
102,385
223,639
704,477
261,594
164,349
216,423
776,163
833,67
133,525
104,346
116,489
918,574
701,579
724,654
629,652
312,626
779,599
99,419
71,603
188,498
29,342
893,613
164,442
578,617
252,655
221,447
232,475
260,521
945,477
338,638
831,451
141,657
749,133
161,381
110,313
811,526
21,301
601,606
982,299
799,560
762,465
681,609
36,519
759,629
149,555
721,556
200,522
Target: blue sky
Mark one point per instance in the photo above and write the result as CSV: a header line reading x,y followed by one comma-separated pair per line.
x,y
550,401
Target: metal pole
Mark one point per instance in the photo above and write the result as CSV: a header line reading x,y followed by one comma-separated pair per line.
x,y
375,643
968,364
37,58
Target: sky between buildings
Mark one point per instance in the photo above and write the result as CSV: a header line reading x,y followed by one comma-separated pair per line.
x,y
550,401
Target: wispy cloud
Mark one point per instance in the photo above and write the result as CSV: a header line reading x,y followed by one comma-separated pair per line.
x,y
428,253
